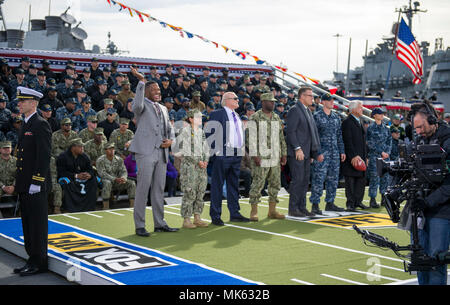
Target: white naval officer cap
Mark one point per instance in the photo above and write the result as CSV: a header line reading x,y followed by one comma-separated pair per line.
x,y
24,93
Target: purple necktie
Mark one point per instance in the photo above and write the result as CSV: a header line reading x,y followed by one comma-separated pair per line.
x,y
236,126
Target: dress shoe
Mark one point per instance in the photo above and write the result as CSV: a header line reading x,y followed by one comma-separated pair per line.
x,y
218,222
166,229
142,232
32,270
373,203
330,206
315,209
18,270
296,214
362,206
239,218
308,213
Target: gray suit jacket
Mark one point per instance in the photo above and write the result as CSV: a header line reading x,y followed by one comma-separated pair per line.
x,y
299,133
147,139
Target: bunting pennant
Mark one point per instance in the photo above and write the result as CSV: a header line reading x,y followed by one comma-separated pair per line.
x,y
243,55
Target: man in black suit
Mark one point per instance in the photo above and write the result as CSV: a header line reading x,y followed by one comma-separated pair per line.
x,y
303,144
226,156
354,138
33,181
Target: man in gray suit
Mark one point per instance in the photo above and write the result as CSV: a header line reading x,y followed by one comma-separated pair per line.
x,y
154,135
302,139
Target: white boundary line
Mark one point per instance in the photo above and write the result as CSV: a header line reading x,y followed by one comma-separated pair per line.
x,y
375,275
342,279
302,282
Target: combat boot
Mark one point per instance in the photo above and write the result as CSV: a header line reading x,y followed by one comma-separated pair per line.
x,y
187,224
131,203
105,204
198,221
273,214
254,212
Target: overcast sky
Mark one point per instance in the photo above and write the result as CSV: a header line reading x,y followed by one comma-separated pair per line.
x,y
297,34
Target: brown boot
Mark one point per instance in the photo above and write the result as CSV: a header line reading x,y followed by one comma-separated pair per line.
x,y
57,210
273,214
131,203
254,212
188,224
198,221
105,204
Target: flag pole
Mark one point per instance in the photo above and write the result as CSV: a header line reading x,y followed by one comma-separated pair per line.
x,y
393,52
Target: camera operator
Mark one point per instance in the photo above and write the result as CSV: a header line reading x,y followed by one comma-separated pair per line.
x,y
434,237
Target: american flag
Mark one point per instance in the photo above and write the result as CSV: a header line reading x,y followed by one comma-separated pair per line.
x,y
408,52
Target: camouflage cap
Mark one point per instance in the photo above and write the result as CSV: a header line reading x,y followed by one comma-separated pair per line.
x,y
5,144
394,129
124,121
98,130
66,120
196,93
109,145
193,112
92,118
76,142
268,97
108,101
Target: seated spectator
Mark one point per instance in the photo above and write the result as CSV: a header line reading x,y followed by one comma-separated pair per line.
x,y
95,148
77,178
113,173
62,137
110,123
125,93
121,138
46,112
7,169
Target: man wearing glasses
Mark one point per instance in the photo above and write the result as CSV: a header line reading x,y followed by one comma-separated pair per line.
x,y
302,139
224,129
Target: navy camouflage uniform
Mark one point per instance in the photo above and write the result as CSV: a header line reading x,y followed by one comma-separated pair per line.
x,y
379,140
332,146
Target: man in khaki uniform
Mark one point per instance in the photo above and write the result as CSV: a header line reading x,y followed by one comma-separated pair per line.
x,y
102,114
95,148
7,169
266,158
121,138
112,171
125,93
196,103
61,138
88,133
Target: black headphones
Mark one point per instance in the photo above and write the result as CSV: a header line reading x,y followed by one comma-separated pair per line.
x,y
425,109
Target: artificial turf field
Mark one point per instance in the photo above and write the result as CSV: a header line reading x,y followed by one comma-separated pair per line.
x,y
274,252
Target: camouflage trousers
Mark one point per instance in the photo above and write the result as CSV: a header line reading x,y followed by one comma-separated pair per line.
x,y
326,172
259,176
375,181
57,195
193,181
109,186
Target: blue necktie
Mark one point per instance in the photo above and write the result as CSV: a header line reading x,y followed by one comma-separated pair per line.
x,y
236,126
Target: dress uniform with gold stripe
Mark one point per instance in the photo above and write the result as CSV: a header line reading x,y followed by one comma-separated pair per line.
x,y
33,182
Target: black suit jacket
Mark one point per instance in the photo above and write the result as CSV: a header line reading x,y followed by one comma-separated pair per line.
x,y
354,138
298,132
33,155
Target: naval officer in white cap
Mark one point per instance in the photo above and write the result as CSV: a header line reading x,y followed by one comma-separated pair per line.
x,y
33,181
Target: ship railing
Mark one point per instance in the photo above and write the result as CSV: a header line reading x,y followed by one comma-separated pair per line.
x,y
295,82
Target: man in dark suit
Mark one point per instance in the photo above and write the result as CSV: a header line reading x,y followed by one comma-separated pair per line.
x,y
302,139
226,156
33,181
354,138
